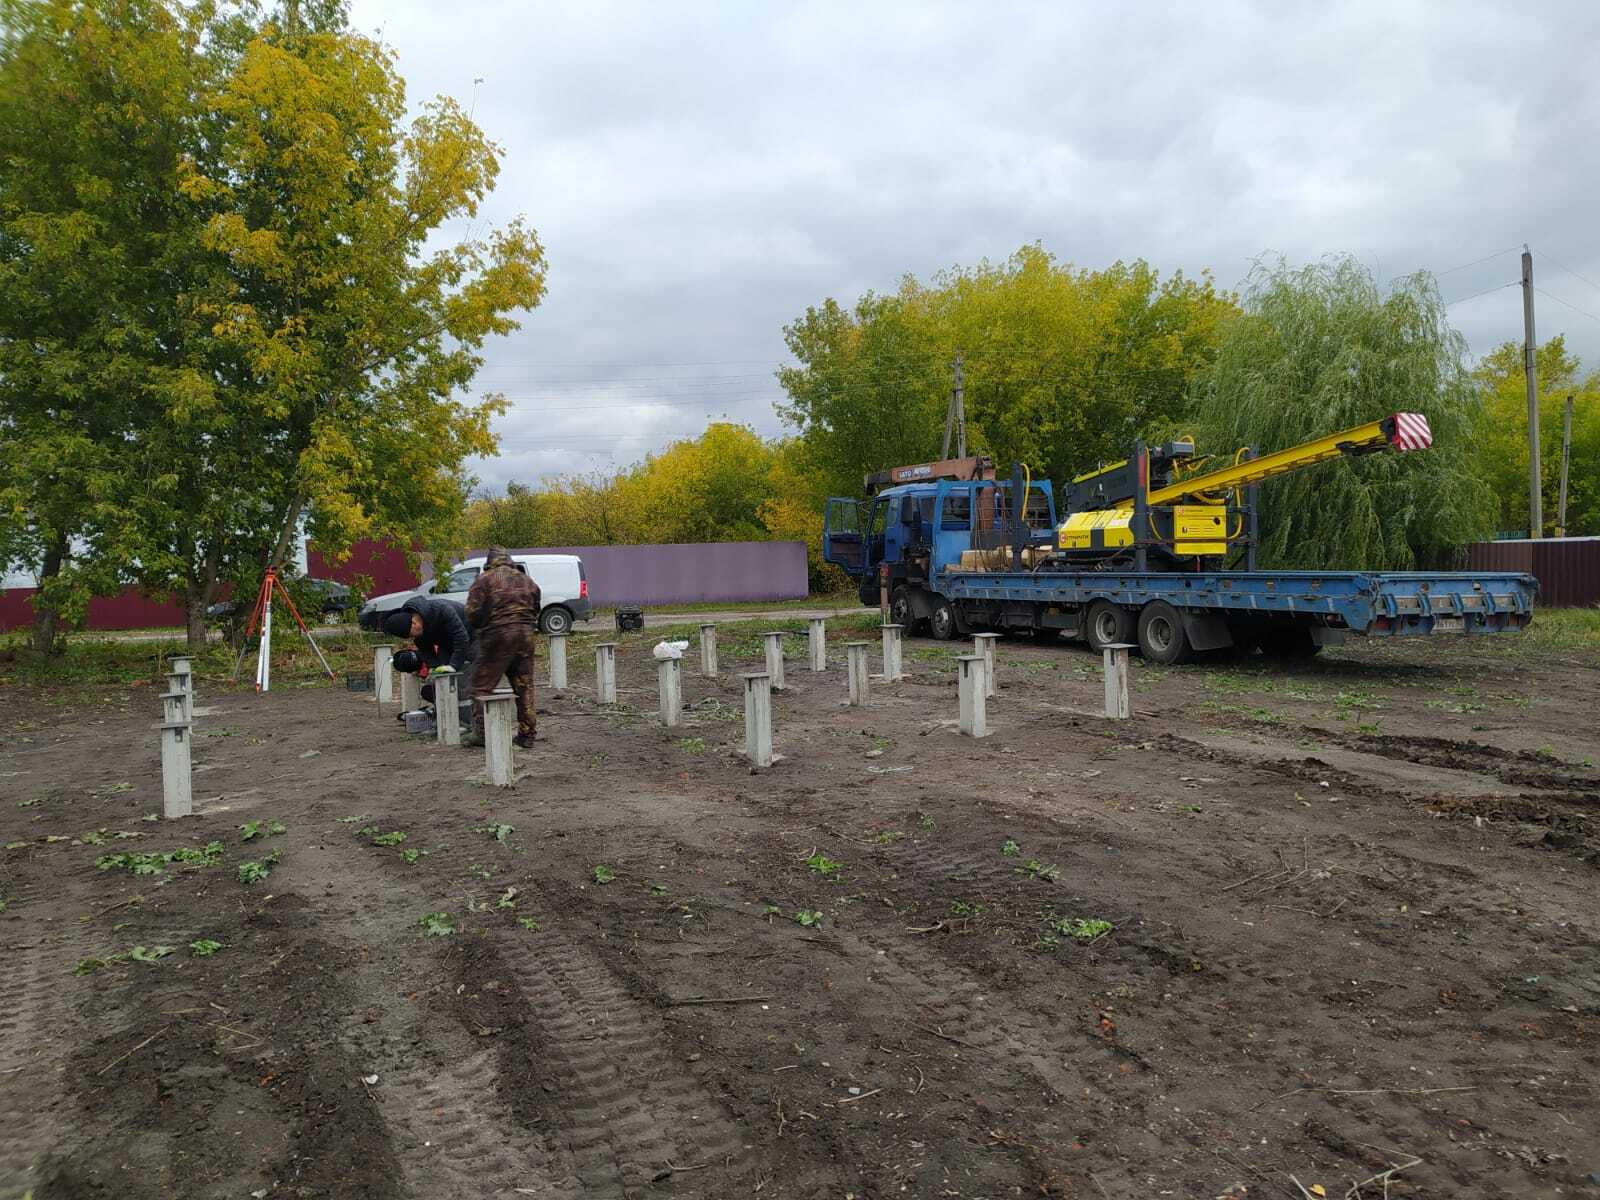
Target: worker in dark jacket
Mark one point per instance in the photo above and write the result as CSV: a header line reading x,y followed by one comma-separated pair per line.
x,y
437,626
503,612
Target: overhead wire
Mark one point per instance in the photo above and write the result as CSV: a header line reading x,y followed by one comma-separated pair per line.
x,y
1499,287
1568,303
1543,254
1475,262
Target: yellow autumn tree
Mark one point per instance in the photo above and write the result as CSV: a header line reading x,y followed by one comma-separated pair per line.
x,y
297,336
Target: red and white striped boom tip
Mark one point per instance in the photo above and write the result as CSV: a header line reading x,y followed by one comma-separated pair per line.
x,y
1411,432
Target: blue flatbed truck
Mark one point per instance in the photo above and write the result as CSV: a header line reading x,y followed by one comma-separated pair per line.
x,y
948,557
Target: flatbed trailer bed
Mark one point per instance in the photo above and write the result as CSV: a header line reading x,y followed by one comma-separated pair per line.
x,y
1171,614
1384,604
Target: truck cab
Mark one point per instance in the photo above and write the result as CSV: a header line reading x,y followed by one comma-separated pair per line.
x,y
905,535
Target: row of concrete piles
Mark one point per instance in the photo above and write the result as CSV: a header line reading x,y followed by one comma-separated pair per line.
x,y
975,679
975,687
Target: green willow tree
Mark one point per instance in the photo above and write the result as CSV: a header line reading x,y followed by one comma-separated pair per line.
x,y
1322,348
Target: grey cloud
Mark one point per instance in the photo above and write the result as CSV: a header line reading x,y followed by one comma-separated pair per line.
x,y
700,174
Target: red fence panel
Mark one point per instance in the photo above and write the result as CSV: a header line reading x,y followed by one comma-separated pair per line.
x,y
385,564
128,609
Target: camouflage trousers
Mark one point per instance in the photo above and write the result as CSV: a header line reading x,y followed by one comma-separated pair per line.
x,y
505,651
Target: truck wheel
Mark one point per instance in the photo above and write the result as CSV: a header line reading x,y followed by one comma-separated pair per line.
x,y
1161,636
901,612
555,619
1289,644
1107,624
943,622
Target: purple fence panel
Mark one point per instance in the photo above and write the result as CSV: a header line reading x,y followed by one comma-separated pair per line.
x,y
690,573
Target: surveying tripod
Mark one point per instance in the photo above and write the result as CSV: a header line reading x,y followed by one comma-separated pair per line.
x,y
261,616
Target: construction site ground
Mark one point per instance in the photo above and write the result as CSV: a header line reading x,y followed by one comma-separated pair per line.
x,y
1318,929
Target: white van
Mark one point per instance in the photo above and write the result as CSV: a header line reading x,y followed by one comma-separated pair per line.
x,y
563,590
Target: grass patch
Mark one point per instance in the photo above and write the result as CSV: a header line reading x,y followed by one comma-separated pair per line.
x,y
91,661
1569,630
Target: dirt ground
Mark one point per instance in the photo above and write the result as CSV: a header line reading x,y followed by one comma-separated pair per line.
x,y
1288,931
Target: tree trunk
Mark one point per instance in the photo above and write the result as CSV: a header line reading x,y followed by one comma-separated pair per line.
x,y
199,591
290,521
46,620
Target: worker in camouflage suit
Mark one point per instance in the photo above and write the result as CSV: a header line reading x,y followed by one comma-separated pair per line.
x,y
503,612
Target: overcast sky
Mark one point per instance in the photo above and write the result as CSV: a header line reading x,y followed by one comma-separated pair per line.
x,y
699,173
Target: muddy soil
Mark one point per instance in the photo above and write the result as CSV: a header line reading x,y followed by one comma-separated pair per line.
x,y
1288,931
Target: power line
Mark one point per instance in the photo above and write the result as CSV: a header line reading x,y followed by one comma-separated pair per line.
x,y
1452,270
1475,262
1570,271
1569,304
1497,288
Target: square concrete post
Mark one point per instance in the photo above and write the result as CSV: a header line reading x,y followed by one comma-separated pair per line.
x,y
819,644
183,669
499,718
605,672
177,800
856,662
758,718
410,691
708,651
446,707
1118,705
558,661
175,684
775,659
983,643
892,669
383,674
669,680
974,714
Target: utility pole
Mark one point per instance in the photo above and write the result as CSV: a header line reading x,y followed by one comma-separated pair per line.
x,y
955,417
961,411
1566,457
1529,348
950,411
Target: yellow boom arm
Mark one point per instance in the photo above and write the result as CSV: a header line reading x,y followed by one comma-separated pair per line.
x,y
1403,431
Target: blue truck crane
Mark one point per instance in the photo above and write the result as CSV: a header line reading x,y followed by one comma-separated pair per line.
x,y
1147,552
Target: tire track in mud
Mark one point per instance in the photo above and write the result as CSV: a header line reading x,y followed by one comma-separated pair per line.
x,y
29,993
1520,768
959,1002
630,1115
580,1097
958,873
1090,1091
454,1137
42,1005
435,1095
